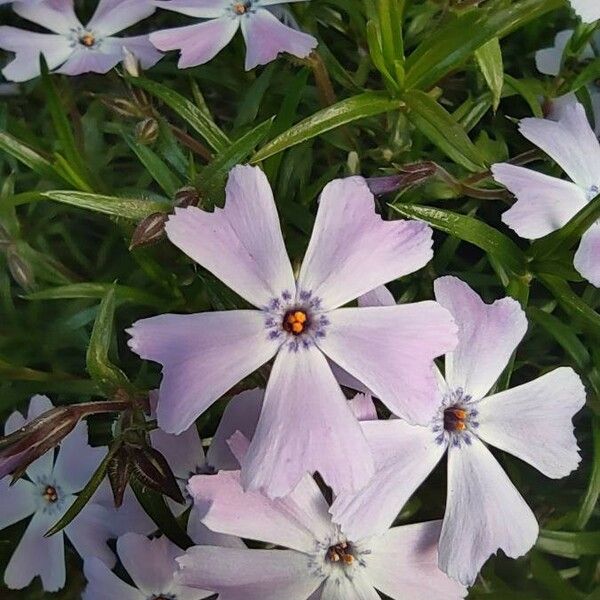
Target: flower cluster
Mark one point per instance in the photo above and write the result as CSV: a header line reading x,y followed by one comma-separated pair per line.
x,y
74,48
299,494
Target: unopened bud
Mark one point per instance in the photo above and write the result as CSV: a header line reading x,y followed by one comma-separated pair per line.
x,y
151,469
146,131
408,176
20,269
123,107
149,231
131,64
119,471
187,196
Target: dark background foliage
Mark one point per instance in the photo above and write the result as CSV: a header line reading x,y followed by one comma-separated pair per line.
x,y
103,137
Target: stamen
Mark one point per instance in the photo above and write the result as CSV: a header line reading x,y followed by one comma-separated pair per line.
x,y
341,553
50,494
295,321
87,39
455,419
241,8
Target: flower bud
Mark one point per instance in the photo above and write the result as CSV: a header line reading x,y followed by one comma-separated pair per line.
x,y
151,469
149,231
146,131
131,64
119,471
187,196
20,269
408,176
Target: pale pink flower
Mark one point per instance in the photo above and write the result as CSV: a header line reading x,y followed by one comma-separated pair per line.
x,y
305,424
484,510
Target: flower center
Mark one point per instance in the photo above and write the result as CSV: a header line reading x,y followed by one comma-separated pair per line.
x,y
295,321
87,39
455,419
241,8
593,192
342,554
50,494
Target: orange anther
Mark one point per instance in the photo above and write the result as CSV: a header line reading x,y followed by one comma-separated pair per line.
x,y
297,327
300,317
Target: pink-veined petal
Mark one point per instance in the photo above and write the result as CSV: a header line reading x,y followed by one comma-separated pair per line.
x,y
587,257
302,390
241,244
544,204
226,508
89,532
203,9
197,43
484,512
37,555
488,334
103,584
150,563
588,10
405,456
350,238
237,574
241,414
404,564
85,60
55,15
266,37
17,501
28,46
203,356
390,349
112,16
77,460
534,421
380,296
570,141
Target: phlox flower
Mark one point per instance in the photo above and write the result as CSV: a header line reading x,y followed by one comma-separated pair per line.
x,y
74,47
305,423
318,560
587,10
484,510
265,35
46,493
548,61
151,564
544,203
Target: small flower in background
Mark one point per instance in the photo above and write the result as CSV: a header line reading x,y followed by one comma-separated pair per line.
x,y
46,493
587,10
151,564
264,34
545,204
531,421
548,61
318,559
74,47
299,322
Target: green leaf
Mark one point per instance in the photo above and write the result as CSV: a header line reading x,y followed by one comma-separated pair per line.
x,y
527,90
157,509
30,158
346,111
489,59
85,495
130,208
441,129
469,229
155,166
572,303
557,587
452,44
568,235
97,290
569,544
590,500
99,366
214,174
198,119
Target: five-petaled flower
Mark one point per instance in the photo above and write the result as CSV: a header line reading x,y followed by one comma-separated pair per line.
x,y
484,510
46,493
544,203
319,561
78,48
264,34
305,424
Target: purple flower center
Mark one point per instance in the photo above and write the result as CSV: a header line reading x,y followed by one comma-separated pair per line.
x,y
295,321
456,421
87,39
50,494
341,554
455,418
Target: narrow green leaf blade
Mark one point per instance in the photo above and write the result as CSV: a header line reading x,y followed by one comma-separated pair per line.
x,y
489,59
